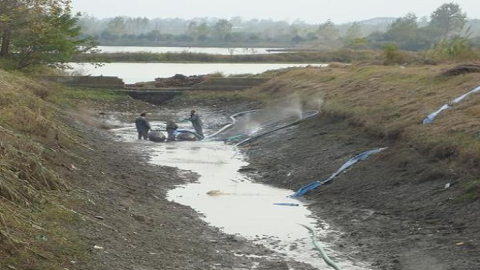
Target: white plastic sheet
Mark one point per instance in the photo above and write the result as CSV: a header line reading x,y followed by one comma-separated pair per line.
x,y
434,115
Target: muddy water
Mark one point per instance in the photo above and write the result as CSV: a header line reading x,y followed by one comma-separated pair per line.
x,y
229,200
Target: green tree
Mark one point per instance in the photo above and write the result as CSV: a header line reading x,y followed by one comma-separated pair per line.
x,y
13,16
404,29
448,19
116,26
222,28
52,40
353,32
48,33
203,30
192,30
328,31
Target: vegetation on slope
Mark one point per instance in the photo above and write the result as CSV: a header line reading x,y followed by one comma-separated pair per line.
x,y
390,103
38,149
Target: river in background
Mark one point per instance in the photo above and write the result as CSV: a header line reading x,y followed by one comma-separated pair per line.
x,y
207,50
143,72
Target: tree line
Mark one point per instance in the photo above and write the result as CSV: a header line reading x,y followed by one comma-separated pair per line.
x,y
408,32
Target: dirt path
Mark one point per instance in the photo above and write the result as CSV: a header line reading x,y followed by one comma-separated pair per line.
x,y
130,225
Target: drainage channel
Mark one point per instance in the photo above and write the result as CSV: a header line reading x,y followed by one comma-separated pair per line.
x,y
231,201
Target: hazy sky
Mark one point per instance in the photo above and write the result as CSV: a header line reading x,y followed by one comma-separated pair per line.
x,y
312,11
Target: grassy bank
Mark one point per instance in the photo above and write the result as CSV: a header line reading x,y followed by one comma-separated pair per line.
x,y
344,56
38,152
390,102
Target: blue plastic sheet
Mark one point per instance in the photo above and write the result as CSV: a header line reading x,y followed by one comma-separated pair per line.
x,y
287,204
434,115
302,191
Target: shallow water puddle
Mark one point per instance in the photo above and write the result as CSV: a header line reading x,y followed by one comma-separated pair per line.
x,y
229,200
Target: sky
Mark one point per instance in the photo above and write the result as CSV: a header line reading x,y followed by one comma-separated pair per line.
x,y
311,11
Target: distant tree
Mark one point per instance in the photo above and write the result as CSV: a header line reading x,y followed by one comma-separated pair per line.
x,y
192,27
116,26
294,31
448,19
222,28
328,31
154,35
193,30
236,21
311,36
423,21
254,38
297,39
404,29
203,30
353,32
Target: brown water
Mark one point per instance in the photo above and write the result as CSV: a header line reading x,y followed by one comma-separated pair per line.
x,y
231,201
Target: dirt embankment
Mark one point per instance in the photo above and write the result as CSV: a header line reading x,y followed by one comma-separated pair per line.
x,y
415,205
390,103
393,208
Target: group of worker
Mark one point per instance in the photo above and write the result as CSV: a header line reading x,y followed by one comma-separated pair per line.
x,y
143,126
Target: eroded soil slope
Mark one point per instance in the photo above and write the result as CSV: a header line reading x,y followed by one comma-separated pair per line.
x,y
394,207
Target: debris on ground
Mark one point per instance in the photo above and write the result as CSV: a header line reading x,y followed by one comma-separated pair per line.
x,y
462,69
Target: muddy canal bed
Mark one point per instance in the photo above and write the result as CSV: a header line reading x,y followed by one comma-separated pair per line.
x,y
230,200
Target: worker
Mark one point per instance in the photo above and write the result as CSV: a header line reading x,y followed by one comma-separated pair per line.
x,y
143,126
197,124
171,128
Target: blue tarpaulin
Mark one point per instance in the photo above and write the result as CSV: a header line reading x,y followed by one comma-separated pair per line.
x,y
302,191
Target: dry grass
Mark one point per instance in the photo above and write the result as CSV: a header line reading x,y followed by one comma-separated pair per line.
x,y
390,102
32,139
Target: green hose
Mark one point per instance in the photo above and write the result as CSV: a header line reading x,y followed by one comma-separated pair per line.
x,y
320,248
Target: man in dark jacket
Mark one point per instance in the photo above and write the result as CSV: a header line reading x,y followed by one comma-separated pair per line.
x,y
196,123
143,126
171,127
